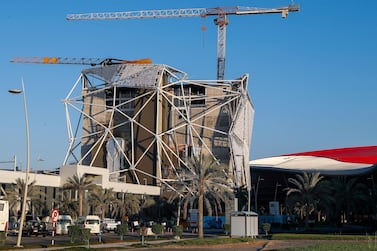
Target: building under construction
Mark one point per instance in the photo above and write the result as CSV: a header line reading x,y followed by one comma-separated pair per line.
x,y
134,123
134,126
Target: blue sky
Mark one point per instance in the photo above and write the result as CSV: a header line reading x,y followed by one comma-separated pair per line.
x,y
313,76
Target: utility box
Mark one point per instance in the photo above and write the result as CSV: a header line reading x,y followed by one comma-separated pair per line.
x,y
244,224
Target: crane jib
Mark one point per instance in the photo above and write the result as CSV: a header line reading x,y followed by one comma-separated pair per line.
x,y
190,12
139,14
220,21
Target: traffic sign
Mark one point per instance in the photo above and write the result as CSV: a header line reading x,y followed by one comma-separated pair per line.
x,y
55,215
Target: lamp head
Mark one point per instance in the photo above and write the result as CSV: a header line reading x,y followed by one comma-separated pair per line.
x,y
15,91
284,14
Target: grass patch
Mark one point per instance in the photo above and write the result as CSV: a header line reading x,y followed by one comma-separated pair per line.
x,y
214,241
189,242
335,247
333,242
292,236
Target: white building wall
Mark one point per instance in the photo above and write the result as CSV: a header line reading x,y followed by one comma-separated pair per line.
x,y
9,177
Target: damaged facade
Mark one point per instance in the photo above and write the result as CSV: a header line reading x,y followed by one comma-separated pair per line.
x,y
133,126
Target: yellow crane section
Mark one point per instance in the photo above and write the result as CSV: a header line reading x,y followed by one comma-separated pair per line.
x,y
221,20
81,61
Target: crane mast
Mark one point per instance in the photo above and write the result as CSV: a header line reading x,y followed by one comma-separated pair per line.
x,y
221,20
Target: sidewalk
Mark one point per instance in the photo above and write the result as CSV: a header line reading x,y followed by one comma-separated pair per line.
x,y
257,246
150,241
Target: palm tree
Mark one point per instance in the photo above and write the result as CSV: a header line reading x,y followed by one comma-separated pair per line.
x,y
243,197
130,205
147,207
349,194
174,195
67,205
2,191
79,184
208,185
102,199
15,193
307,193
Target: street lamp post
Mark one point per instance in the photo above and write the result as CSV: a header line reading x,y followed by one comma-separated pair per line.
x,y
256,193
23,211
276,190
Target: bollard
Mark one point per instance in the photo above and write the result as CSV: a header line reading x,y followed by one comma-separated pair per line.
x,y
53,233
100,236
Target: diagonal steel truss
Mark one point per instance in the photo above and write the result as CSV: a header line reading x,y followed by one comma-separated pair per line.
x,y
143,122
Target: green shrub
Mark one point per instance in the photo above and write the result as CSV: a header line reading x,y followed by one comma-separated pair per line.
x,y
3,238
178,230
157,228
266,227
122,230
227,228
74,232
85,233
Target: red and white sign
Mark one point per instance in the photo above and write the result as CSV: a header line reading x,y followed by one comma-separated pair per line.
x,y
54,215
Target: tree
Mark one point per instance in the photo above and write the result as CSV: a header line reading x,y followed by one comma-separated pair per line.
x,y
173,196
79,184
349,194
307,191
130,205
243,197
208,185
15,194
102,199
147,206
67,205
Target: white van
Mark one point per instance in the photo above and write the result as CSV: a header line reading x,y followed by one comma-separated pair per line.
x,y
90,221
62,224
4,215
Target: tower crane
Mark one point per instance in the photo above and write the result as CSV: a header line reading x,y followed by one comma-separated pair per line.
x,y
221,20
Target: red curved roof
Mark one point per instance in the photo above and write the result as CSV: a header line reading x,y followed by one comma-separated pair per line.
x,y
362,154
340,161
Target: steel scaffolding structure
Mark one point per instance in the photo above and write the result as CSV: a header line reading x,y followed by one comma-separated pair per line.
x,y
142,122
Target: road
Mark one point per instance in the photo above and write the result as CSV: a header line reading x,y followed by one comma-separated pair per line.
x,y
62,239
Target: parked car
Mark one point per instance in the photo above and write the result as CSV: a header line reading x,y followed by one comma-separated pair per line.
x,y
13,227
134,225
90,221
33,227
64,221
108,224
